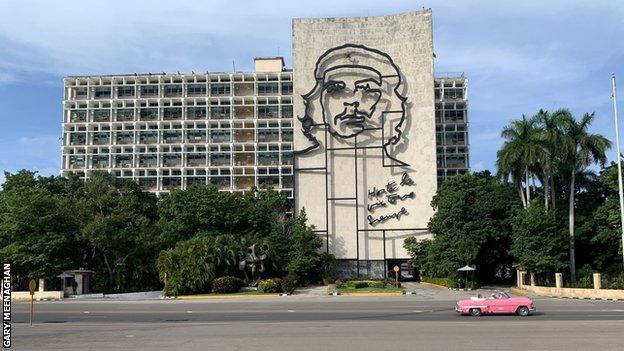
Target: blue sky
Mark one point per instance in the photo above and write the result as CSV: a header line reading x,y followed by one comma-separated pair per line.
x,y
519,56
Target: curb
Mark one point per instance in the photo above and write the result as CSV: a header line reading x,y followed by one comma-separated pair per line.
x,y
227,296
585,298
409,293
435,285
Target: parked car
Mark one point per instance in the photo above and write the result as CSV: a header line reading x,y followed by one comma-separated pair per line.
x,y
498,303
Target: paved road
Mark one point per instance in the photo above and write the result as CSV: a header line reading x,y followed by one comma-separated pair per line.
x,y
316,323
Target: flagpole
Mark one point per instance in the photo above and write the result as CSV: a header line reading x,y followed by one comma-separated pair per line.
x,y
619,159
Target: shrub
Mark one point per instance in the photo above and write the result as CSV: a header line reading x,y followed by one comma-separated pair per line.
x,y
339,284
269,286
289,283
377,284
360,284
226,285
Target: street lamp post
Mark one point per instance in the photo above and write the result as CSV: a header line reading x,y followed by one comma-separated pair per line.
x,y
619,159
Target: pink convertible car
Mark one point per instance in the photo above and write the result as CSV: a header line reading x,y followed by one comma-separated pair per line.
x,y
498,303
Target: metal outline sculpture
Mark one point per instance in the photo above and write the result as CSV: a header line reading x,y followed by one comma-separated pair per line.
x,y
308,123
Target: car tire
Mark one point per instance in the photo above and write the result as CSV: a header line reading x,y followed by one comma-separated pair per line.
x,y
475,312
522,311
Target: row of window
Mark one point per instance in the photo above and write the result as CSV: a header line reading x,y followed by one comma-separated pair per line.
x,y
179,90
176,113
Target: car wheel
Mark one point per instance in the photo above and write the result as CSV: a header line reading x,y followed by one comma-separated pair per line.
x,y
475,312
522,311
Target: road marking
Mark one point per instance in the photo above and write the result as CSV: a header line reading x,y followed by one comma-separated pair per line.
x,y
291,311
130,336
86,312
612,310
189,311
417,311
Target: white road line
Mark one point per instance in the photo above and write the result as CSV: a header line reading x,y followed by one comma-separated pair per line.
x,y
291,311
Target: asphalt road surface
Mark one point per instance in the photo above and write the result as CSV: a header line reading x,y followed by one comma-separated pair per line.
x,y
418,322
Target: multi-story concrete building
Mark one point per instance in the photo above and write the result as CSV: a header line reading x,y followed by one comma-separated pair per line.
x,y
451,115
375,134
233,130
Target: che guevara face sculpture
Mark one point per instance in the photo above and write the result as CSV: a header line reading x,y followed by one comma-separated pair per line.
x,y
356,95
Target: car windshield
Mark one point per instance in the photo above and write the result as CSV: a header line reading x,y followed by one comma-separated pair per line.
x,y
499,295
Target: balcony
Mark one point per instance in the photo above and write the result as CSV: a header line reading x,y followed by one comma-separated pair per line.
x,y
125,115
268,111
196,90
195,136
148,138
244,159
100,162
220,160
148,161
77,139
173,91
222,183
124,138
170,183
195,160
123,161
171,114
101,138
172,160
244,136
268,89
195,181
149,184
78,116
220,112
172,137
149,91
102,93
150,114
268,135
195,113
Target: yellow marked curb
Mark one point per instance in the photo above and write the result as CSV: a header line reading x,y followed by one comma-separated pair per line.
x,y
434,285
518,291
225,296
372,293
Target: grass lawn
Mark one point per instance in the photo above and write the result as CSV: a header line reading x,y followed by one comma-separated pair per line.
x,y
388,289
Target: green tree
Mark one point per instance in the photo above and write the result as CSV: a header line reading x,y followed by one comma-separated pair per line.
x,y
582,150
302,255
538,244
37,228
472,225
118,223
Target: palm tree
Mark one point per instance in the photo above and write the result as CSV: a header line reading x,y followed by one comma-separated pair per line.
x,y
551,126
523,149
582,149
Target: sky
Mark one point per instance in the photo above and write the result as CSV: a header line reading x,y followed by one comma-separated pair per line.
x,y
519,56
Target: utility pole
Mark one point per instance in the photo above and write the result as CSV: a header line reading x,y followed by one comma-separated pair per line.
x,y
619,159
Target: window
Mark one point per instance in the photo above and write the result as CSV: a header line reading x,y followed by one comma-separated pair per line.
x,y
287,88
103,93
149,91
173,90
101,115
268,88
125,92
453,94
196,112
220,112
172,113
268,111
287,111
78,116
196,89
219,89
126,114
149,114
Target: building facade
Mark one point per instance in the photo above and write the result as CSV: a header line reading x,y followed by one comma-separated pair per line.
x,y
359,133
171,131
